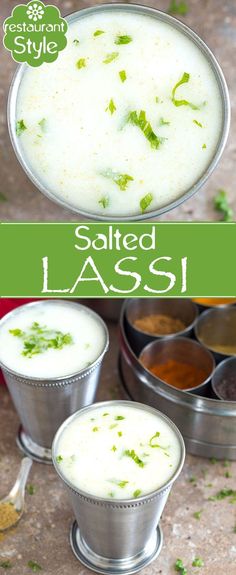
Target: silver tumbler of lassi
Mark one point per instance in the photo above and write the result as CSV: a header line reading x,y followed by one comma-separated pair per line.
x,y
44,403
117,536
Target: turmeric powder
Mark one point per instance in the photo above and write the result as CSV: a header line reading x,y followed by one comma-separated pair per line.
x,y
178,374
213,301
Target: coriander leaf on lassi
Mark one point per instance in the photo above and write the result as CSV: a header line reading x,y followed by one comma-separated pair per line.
x,y
184,80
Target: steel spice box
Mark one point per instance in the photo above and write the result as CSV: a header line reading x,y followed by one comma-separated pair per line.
x,y
208,425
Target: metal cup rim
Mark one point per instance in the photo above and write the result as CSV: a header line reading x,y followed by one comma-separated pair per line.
x,y
223,89
114,501
61,377
189,342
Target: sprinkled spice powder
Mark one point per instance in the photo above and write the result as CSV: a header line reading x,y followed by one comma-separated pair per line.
x,y
214,301
179,374
159,324
8,515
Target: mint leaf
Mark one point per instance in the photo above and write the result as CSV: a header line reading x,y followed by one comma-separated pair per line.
x,y
111,107
221,205
43,124
110,57
76,42
139,119
122,75
98,32
178,7
180,567
198,562
20,127
136,493
123,40
104,201
81,63
198,123
145,202
38,339
184,80
121,180
34,566
131,453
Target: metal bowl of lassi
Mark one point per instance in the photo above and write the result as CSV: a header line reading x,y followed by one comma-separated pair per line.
x,y
128,122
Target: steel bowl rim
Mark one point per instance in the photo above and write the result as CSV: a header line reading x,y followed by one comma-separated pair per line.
x,y
211,310
195,344
170,335
115,501
223,89
230,359
83,372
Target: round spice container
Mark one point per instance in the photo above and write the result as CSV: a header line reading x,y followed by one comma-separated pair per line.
x,y
224,380
180,363
216,330
138,78
151,319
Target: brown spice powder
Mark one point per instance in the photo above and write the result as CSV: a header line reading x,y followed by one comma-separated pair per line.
x,y
8,515
159,324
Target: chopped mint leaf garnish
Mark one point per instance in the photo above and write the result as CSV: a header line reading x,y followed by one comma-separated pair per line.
x,y
20,127
2,197
111,107
105,414
34,566
192,479
43,124
226,463
123,39
6,564
221,205
197,514
213,460
131,453
119,417
81,63
122,75
113,425
119,433
164,122
114,448
178,7
59,458
179,566
95,428
111,494
145,202
99,32
104,201
31,489
110,57
139,119
119,483
198,123
76,41
228,474
38,339
137,492
120,180
153,443
203,146
184,80
223,493
198,562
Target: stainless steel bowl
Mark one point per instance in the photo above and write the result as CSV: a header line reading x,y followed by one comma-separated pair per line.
x,y
183,309
207,425
43,404
116,536
216,327
183,350
161,16
224,377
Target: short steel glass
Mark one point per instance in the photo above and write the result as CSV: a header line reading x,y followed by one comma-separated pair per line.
x,y
191,35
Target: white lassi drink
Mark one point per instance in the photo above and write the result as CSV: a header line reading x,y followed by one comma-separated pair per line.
x,y
50,339
117,451
125,121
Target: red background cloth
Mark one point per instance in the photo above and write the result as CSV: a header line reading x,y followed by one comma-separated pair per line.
x,y
6,305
